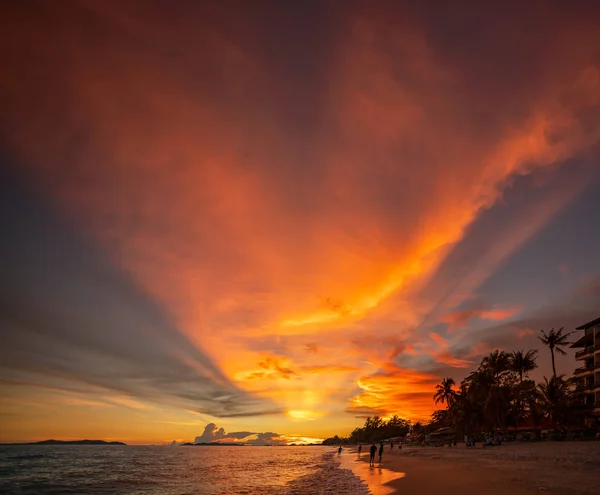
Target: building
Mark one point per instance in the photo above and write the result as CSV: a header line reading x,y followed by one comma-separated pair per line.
x,y
587,376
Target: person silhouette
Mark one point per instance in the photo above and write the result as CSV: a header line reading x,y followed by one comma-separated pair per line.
x,y
359,450
340,451
372,452
380,451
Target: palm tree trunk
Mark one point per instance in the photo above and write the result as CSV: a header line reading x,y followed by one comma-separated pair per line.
x,y
553,366
519,400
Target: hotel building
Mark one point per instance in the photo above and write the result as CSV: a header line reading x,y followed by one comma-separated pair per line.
x,y
587,376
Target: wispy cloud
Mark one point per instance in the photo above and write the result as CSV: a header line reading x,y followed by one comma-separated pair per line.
x,y
70,317
459,319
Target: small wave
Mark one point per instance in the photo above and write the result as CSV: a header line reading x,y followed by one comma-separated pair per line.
x,y
328,479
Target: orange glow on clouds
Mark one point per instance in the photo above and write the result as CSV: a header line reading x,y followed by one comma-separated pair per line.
x,y
283,252
460,319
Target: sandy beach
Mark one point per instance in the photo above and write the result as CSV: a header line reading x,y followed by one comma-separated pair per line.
x,y
569,468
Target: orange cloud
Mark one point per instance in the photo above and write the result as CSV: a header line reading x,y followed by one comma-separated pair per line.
x,y
405,393
459,319
480,349
330,369
525,332
443,355
446,357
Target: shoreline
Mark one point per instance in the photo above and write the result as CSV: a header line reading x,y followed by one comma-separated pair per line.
x,y
378,479
565,468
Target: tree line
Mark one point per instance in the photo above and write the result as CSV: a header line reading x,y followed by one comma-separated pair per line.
x,y
498,395
374,430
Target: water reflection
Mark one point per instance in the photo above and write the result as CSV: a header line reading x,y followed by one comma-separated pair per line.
x,y
376,477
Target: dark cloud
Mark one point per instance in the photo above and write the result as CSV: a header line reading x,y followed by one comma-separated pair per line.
x,y
212,433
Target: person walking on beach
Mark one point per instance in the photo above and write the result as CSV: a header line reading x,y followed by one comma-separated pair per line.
x,y
380,452
391,445
340,451
372,452
359,450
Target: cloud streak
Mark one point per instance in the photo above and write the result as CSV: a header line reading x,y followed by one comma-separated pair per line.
x,y
53,333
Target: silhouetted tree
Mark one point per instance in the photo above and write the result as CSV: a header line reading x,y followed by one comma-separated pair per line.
x,y
496,362
445,392
554,397
522,362
555,339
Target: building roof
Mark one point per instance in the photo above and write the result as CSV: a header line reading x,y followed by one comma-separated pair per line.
x,y
443,431
588,324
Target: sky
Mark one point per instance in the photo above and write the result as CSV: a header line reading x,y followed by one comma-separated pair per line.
x,y
265,221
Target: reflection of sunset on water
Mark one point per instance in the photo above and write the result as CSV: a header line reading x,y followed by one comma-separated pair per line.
x,y
376,477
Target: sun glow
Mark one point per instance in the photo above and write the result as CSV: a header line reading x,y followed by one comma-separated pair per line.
x,y
303,415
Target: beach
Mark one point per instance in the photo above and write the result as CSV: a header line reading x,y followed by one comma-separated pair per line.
x,y
569,468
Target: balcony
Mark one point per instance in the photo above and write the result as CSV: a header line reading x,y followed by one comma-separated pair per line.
x,y
585,369
586,351
586,388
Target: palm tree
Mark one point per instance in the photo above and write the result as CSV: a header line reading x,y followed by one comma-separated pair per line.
x,y
555,339
533,405
463,411
497,362
489,390
439,418
522,363
445,392
554,398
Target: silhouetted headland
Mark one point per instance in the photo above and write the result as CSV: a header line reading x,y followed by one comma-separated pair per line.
x,y
68,442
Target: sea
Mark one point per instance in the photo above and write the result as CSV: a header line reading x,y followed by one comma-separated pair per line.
x,y
131,470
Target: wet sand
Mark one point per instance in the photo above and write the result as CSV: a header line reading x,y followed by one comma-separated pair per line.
x,y
562,468
377,478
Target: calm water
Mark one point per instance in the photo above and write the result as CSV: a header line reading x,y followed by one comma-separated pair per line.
x,y
174,470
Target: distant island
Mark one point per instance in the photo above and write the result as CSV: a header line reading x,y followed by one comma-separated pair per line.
x,y
68,442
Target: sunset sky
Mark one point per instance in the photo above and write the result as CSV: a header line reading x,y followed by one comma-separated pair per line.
x,y
278,218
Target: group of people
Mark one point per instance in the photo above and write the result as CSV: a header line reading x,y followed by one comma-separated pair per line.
x,y
372,452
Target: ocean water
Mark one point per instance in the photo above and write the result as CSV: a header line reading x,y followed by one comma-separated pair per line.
x,y
74,469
